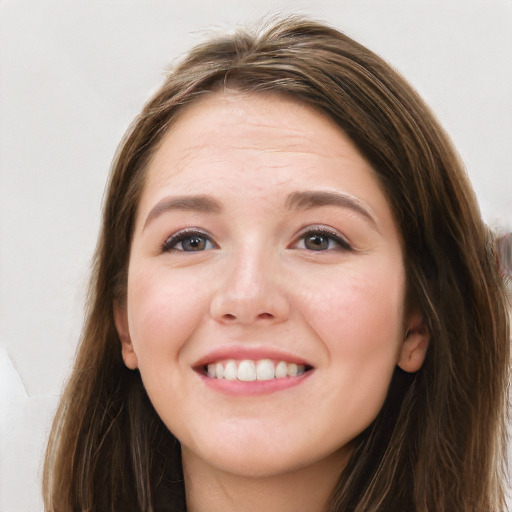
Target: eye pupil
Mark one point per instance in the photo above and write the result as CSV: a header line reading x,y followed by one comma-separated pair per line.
x,y
316,242
194,243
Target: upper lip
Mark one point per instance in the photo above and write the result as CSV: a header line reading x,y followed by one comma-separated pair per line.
x,y
252,353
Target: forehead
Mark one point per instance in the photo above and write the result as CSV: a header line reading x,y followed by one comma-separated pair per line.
x,y
224,123
251,146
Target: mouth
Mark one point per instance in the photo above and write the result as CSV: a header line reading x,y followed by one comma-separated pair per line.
x,y
250,370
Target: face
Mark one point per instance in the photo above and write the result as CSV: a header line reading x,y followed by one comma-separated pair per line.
x,y
265,287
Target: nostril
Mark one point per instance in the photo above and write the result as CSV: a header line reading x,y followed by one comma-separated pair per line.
x,y
262,316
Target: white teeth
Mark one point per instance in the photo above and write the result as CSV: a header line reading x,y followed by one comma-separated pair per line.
x,y
292,369
219,370
248,370
231,371
265,370
281,370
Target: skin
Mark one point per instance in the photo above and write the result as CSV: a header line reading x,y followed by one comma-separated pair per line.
x,y
257,283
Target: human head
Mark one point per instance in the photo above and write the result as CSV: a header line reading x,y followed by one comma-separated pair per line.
x,y
451,279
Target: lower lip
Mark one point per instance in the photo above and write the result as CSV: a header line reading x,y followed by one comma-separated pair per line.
x,y
256,387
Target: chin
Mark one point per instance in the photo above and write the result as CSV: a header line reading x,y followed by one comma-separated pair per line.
x,y
263,456
249,463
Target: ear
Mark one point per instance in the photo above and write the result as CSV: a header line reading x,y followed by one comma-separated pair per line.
x,y
414,346
123,331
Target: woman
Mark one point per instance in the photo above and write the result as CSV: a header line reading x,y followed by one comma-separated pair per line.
x,y
295,304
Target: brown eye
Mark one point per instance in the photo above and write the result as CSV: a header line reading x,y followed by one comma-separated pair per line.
x,y
188,242
322,240
194,243
316,242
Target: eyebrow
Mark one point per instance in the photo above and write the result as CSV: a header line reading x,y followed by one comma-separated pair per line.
x,y
200,203
313,199
305,200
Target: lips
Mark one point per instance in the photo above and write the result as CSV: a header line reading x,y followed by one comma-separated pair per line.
x,y
248,365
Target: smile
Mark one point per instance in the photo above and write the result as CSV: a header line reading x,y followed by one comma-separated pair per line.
x,y
248,370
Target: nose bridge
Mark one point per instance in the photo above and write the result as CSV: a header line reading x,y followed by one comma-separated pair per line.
x,y
250,290
250,268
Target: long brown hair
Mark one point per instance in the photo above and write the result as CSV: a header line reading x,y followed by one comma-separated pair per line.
x,y
438,443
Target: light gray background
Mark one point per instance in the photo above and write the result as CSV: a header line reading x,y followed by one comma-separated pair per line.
x,y
74,74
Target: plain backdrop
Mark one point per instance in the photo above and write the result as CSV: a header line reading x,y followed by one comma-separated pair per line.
x,y
73,74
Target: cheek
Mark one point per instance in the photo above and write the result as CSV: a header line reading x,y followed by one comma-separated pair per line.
x,y
369,303
162,314
361,330
359,319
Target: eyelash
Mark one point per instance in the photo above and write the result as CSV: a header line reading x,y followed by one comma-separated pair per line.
x,y
170,244
329,234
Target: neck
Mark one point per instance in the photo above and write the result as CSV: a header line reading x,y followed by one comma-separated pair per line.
x,y
209,489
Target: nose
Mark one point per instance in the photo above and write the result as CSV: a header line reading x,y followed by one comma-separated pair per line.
x,y
250,292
